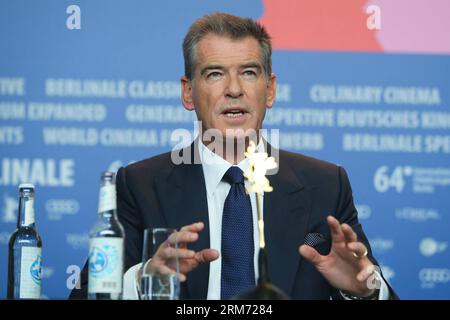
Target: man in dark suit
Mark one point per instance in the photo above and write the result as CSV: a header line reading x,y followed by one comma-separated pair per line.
x,y
315,245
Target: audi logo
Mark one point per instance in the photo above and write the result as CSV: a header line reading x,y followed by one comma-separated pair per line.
x,y
66,206
434,275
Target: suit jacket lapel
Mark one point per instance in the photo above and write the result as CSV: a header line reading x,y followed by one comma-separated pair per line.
x,y
286,215
183,202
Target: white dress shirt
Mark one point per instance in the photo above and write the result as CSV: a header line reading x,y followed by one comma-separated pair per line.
x,y
214,168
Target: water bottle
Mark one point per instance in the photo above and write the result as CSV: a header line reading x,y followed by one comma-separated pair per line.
x,y
106,246
25,251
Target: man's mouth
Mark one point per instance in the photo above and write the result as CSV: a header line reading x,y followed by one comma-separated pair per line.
x,y
234,112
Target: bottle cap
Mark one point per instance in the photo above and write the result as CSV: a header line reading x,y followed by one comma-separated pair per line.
x,y
26,186
108,176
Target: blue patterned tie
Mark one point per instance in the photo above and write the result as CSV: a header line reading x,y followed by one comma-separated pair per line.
x,y
238,272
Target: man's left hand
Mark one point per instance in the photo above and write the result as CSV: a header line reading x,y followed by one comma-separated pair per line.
x,y
346,267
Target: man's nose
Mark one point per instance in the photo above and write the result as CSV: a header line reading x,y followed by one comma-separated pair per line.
x,y
234,87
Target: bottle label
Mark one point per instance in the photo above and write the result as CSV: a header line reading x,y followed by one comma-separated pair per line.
x,y
30,273
29,211
107,198
105,265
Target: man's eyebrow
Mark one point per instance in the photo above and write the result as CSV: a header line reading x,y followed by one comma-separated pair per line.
x,y
252,65
208,67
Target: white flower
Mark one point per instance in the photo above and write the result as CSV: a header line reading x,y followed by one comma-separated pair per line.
x,y
259,164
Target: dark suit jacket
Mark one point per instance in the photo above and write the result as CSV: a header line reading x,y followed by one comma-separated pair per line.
x,y
157,193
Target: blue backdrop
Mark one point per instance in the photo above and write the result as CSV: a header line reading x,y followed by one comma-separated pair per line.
x,y
75,102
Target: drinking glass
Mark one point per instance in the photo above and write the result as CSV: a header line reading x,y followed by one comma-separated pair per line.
x,y
160,265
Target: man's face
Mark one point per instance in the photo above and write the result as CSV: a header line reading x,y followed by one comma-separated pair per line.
x,y
229,89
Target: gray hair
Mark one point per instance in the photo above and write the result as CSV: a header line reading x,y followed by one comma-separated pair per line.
x,y
224,24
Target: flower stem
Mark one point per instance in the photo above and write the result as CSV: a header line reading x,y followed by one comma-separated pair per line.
x,y
262,241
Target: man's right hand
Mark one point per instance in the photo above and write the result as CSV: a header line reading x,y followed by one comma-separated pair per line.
x,y
162,261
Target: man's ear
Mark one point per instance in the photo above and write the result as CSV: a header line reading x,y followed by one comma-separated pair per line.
x,y
271,90
186,93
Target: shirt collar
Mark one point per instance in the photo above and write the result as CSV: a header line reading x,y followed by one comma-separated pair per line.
x,y
214,166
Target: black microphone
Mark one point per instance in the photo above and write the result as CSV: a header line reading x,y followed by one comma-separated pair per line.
x,y
265,290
